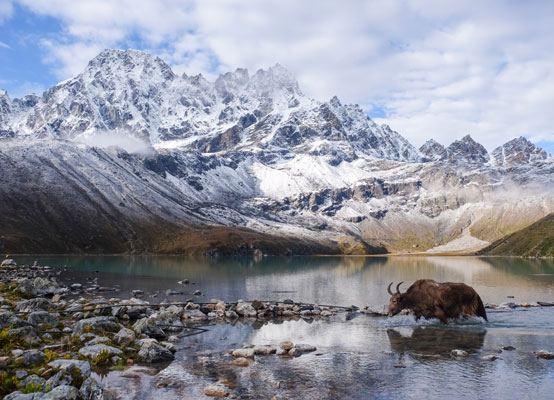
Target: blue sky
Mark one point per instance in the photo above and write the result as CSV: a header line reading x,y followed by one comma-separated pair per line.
x,y
428,68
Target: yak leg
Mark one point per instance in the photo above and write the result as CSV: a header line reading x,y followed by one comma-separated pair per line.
x,y
441,315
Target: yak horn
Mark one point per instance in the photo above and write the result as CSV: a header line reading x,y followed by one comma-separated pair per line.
x,y
388,289
398,287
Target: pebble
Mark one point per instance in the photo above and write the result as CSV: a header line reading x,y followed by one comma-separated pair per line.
x,y
490,357
286,345
458,353
215,391
244,353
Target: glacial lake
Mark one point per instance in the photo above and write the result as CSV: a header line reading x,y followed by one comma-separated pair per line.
x,y
358,356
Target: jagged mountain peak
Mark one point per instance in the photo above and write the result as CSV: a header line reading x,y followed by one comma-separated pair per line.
x,y
467,150
518,151
433,150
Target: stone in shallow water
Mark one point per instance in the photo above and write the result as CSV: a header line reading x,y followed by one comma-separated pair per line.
x,y
246,353
264,349
490,357
286,345
216,391
241,362
149,328
300,349
545,354
458,353
154,353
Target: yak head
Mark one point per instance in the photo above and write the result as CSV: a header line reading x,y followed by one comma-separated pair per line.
x,y
396,303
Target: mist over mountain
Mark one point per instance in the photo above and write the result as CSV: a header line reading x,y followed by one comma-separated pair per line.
x,y
130,157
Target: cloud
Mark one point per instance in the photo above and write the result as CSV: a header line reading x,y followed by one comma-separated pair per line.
x,y
4,45
430,68
6,10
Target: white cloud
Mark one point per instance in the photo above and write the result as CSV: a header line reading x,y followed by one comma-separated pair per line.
x,y
5,45
440,69
6,10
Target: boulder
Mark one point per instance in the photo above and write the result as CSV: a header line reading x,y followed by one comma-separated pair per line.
x,y
264,350
33,357
8,263
300,349
62,392
246,310
91,390
32,380
31,305
244,353
545,354
154,353
95,350
124,337
43,317
286,345
147,327
194,315
69,365
103,323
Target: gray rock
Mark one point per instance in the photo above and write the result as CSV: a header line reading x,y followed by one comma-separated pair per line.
x,y
245,353
32,380
104,323
91,390
300,349
10,320
246,310
62,392
98,340
8,263
26,333
458,353
545,354
154,353
95,350
31,305
147,327
124,337
264,350
59,378
21,396
20,373
194,315
490,357
33,357
68,365
43,317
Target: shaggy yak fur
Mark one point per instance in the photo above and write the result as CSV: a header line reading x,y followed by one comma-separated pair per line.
x,y
430,299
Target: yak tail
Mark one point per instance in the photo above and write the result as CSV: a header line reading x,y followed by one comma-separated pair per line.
x,y
481,309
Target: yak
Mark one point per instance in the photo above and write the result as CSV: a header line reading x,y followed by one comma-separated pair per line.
x,y
430,299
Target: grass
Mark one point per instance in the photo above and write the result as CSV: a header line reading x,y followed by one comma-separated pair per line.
x,y
537,240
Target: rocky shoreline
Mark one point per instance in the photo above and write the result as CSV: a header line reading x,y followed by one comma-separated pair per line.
x,y
54,338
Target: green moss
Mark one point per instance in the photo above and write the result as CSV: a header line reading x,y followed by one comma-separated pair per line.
x,y
32,388
8,383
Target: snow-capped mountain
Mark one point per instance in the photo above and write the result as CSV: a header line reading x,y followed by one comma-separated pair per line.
x,y
242,163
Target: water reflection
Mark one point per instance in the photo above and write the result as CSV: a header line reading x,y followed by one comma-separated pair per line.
x,y
431,340
338,280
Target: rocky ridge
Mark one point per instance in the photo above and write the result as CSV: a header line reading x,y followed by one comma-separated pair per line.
x,y
129,157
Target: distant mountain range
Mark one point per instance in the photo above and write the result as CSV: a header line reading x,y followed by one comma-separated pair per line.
x,y
129,157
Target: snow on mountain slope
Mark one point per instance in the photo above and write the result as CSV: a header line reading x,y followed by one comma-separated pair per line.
x,y
249,154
